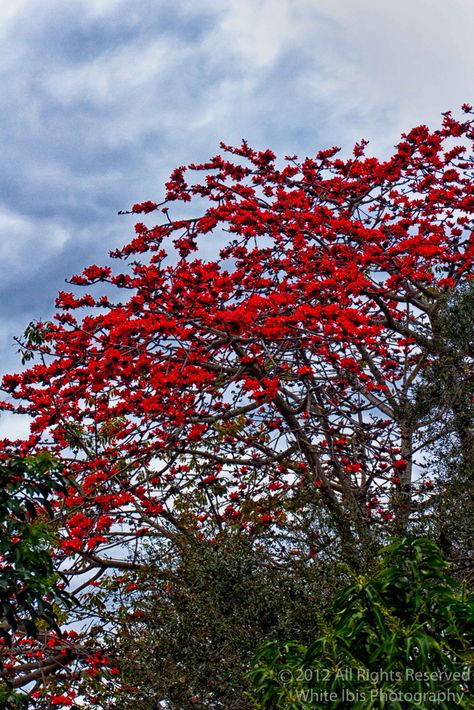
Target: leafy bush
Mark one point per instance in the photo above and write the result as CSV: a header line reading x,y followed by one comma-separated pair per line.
x,y
30,584
401,639
193,630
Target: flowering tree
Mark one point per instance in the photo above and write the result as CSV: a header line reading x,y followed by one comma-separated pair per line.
x,y
270,387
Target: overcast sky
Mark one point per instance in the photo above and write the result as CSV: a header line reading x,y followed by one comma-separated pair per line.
x,y
100,99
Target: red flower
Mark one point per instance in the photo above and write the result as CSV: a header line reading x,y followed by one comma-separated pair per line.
x,y
400,464
60,700
145,207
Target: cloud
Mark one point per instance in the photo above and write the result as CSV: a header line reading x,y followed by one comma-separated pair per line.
x,y
13,426
21,230
102,98
257,33
410,57
119,76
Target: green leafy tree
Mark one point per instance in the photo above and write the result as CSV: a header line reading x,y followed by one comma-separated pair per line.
x,y
193,629
400,639
32,588
444,400
30,583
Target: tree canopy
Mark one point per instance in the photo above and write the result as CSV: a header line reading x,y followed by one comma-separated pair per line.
x,y
256,364
401,639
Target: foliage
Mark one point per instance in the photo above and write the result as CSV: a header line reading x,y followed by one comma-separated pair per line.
x,y
191,632
32,588
31,583
11,700
448,384
399,639
445,397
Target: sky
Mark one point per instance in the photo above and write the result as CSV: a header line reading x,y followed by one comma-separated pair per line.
x,y
101,99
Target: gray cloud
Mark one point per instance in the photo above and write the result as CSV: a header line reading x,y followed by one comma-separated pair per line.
x,y
102,98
